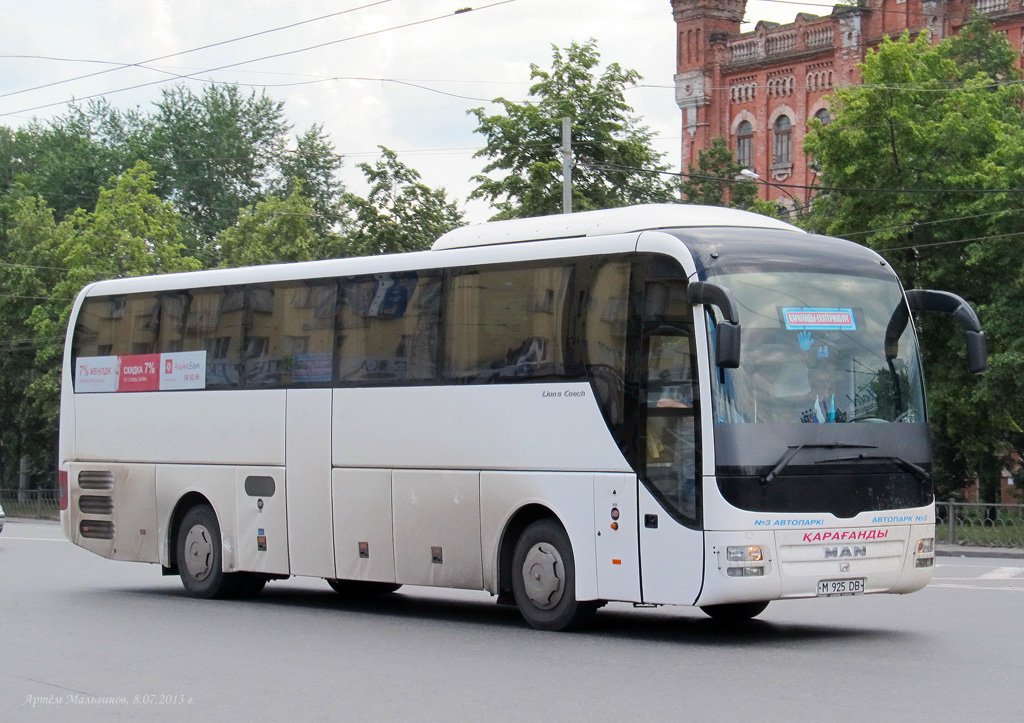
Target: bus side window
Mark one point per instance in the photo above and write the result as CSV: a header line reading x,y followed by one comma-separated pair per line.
x,y
388,328
606,318
214,325
507,323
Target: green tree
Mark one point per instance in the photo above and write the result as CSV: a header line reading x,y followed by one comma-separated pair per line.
x,y
26,279
215,153
713,182
313,169
927,138
277,230
67,159
614,163
400,213
131,232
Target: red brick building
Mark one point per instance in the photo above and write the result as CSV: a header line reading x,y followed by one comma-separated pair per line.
x,y
759,89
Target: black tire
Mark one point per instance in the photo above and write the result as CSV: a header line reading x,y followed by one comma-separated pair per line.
x,y
544,579
200,557
735,612
362,588
251,585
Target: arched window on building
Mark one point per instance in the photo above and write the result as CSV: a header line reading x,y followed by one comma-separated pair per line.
x,y
783,155
824,116
745,145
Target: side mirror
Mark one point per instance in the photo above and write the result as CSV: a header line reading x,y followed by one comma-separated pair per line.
x,y
727,343
727,347
947,303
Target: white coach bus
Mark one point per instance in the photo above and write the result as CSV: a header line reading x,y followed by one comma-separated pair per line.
x,y
555,410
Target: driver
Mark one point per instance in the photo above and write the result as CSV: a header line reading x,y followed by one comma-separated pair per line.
x,y
822,380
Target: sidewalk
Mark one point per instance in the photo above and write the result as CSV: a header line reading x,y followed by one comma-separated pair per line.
x,y
944,549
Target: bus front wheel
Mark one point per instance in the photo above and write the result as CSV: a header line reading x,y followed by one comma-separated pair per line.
x,y
735,612
544,579
200,558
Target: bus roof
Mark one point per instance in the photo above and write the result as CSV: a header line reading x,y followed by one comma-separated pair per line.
x,y
609,221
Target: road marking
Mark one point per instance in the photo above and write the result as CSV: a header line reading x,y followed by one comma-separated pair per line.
x,y
976,587
1000,573
34,539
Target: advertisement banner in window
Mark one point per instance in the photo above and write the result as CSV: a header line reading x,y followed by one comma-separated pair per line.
x,y
183,370
96,374
139,373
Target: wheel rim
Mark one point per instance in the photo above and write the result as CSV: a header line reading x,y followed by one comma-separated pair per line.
x,y
198,553
543,576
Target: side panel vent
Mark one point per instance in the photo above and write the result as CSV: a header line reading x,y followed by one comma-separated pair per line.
x,y
97,529
96,505
95,479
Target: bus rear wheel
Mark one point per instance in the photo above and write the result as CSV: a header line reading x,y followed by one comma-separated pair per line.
x,y
200,559
544,579
735,612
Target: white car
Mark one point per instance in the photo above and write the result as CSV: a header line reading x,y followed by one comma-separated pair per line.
x,y
1,518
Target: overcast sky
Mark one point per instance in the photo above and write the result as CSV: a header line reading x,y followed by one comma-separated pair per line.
x,y
407,88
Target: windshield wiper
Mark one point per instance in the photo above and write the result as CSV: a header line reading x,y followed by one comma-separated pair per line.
x,y
920,472
794,449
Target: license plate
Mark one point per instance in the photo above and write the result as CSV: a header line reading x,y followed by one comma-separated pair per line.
x,y
850,586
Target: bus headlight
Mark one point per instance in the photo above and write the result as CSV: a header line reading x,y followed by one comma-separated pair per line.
x,y
749,553
924,555
745,561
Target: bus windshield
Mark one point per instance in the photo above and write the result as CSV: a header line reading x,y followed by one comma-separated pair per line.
x,y
815,351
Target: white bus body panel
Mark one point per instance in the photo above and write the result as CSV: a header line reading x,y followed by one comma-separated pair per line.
x,y
570,496
362,515
308,456
673,556
478,427
132,498
800,550
214,482
262,530
220,427
617,549
437,528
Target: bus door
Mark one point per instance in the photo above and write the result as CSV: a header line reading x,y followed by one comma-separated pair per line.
x,y
670,495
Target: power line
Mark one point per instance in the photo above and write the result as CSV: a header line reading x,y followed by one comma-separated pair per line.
x,y
843,189
274,55
956,241
142,63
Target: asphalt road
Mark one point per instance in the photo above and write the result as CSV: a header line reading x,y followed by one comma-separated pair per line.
x,y
87,639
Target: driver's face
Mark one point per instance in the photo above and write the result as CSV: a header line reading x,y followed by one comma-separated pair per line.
x,y
821,379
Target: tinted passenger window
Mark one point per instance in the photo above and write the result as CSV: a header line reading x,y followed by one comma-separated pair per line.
x,y
607,309
507,323
388,328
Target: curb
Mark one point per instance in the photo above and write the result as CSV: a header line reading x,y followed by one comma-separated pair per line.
x,y
1004,553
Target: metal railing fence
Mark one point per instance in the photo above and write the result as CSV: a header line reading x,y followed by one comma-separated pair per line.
x,y
979,523
31,504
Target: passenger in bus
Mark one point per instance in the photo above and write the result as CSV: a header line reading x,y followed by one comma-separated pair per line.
x,y
822,380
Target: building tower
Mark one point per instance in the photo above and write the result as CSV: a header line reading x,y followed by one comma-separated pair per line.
x,y
702,28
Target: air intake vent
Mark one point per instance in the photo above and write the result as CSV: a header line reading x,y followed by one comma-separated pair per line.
x,y
95,479
96,505
97,529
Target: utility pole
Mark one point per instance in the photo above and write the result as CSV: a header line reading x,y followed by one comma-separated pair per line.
x,y
566,151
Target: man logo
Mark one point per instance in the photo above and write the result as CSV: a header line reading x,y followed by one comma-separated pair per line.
x,y
854,551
